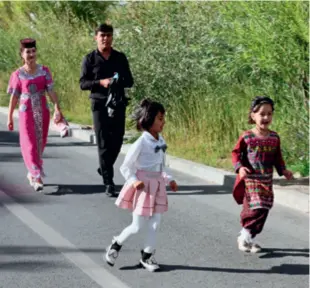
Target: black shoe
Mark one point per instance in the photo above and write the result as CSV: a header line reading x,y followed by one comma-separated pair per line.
x,y
110,190
148,261
112,252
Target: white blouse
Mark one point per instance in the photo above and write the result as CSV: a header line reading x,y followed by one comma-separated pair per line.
x,y
142,156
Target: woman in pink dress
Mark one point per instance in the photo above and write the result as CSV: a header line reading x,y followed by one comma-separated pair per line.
x,y
27,87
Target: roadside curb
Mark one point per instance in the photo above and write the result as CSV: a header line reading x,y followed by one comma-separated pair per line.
x,y
288,197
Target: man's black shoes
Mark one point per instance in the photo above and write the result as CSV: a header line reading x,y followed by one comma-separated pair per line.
x,y
110,190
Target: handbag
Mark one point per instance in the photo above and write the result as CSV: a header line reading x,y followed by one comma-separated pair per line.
x,y
61,125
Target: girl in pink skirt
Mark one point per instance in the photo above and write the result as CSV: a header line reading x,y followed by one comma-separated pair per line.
x,y
144,192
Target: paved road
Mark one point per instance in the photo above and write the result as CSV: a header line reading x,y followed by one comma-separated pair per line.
x,y
57,239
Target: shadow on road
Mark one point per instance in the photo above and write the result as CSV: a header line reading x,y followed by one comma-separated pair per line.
x,y
287,269
17,157
69,144
20,193
76,189
11,139
32,266
95,189
283,252
42,250
200,190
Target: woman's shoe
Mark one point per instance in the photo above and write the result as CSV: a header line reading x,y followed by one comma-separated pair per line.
x,y
30,179
38,186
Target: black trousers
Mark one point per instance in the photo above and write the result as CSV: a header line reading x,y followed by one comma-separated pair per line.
x,y
109,137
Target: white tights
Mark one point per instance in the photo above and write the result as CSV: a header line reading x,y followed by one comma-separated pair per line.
x,y
138,222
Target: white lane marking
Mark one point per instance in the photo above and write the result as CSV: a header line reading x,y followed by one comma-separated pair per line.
x,y
96,272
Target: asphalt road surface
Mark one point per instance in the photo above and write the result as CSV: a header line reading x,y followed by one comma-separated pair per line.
x,y
57,238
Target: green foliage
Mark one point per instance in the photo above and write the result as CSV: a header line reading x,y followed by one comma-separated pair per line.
x,y
204,60
90,12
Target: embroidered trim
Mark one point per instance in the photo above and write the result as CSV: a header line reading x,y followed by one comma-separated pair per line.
x,y
14,91
22,107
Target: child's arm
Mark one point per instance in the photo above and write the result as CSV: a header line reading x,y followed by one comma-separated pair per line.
x,y
280,164
236,154
170,181
168,178
128,168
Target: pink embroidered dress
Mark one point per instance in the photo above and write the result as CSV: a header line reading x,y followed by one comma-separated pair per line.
x,y
34,114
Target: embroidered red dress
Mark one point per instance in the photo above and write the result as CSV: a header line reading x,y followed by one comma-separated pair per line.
x,y
260,155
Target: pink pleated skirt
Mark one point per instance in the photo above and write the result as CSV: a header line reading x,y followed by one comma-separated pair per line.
x,y
147,201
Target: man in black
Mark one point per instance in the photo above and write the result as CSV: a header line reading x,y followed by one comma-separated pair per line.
x,y
98,69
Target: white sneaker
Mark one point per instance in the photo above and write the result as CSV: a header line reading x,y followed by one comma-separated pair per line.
x,y
148,261
64,132
38,186
112,252
243,245
255,248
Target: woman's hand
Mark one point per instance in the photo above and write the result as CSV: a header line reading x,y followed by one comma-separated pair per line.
x,y
58,115
10,124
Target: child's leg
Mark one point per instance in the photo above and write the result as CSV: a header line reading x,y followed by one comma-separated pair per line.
x,y
244,238
257,227
147,260
245,235
153,225
259,224
137,223
113,250
252,221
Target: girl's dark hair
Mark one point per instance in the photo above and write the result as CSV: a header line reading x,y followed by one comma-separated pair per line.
x,y
146,112
257,102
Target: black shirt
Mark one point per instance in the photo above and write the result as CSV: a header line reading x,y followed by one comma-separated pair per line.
x,y
95,68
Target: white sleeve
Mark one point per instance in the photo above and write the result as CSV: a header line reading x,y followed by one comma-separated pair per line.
x,y
168,178
128,168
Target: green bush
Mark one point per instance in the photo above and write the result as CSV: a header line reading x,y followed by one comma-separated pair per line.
x,y
206,61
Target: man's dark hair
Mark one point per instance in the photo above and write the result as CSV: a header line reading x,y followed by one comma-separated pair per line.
x,y
104,28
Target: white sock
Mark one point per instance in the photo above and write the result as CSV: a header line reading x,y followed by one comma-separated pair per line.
x,y
245,235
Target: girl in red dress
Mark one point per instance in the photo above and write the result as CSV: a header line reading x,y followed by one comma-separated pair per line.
x,y
256,153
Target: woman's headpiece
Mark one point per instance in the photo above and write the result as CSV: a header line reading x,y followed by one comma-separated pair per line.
x,y
27,43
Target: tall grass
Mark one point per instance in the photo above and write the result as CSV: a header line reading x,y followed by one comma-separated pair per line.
x,y
204,60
